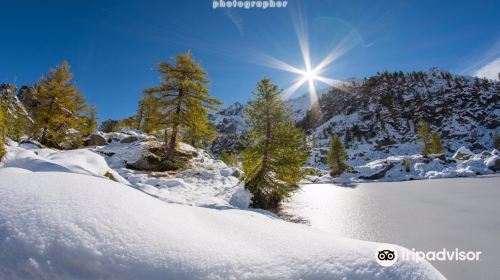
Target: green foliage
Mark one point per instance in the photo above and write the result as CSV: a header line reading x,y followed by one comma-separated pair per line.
x,y
424,136
59,108
430,139
230,159
336,157
276,150
496,140
88,122
109,125
312,171
3,132
16,121
200,133
436,145
407,164
17,126
180,103
150,112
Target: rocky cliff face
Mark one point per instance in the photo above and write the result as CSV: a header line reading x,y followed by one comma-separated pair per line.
x,y
16,115
377,116
231,128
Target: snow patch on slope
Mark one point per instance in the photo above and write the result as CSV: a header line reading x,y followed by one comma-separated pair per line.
x,y
66,225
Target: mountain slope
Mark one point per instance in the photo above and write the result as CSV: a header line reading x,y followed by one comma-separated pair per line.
x,y
377,116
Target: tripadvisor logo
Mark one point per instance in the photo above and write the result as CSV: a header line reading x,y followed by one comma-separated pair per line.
x,y
387,255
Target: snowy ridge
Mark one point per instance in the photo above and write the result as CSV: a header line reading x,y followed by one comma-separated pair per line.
x,y
58,225
377,117
207,182
415,167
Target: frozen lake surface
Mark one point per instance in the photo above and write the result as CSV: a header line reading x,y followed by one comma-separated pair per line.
x,y
461,213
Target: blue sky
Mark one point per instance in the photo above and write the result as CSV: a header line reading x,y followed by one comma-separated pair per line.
x,y
114,46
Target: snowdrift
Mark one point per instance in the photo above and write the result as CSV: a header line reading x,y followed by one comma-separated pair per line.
x,y
207,182
56,225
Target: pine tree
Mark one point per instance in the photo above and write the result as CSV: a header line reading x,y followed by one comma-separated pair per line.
x,y
181,95
496,140
200,132
16,120
3,132
150,113
59,107
336,157
276,150
17,125
88,123
230,159
224,156
424,135
436,145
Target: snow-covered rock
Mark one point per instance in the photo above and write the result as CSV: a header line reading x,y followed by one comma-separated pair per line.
x,y
377,116
204,182
493,163
415,167
95,139
73,226
463,154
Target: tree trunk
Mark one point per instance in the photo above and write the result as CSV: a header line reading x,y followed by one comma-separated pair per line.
x,y
175,129
266,143
46,121
173,142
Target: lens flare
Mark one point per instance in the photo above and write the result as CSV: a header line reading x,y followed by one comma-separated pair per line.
x,y
308,73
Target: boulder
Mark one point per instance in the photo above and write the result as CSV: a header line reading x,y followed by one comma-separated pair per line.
x,y
129,139
493,163
379,174
148,162
463,154
442,157
237,173
95,140
485,154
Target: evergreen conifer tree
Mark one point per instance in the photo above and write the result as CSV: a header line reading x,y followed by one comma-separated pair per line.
x,y
496,140
436,145
88,123
336,157
3,132
276,151
229,158
180,97
424,135
59,107
199,132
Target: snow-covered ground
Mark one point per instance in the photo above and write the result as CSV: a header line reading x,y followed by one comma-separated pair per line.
x,y
62,225
208,182
402,168
63,216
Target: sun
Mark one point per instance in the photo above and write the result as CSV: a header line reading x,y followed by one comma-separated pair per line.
x,y
310,75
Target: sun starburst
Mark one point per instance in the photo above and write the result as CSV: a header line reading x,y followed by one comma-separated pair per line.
x,y
308,73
